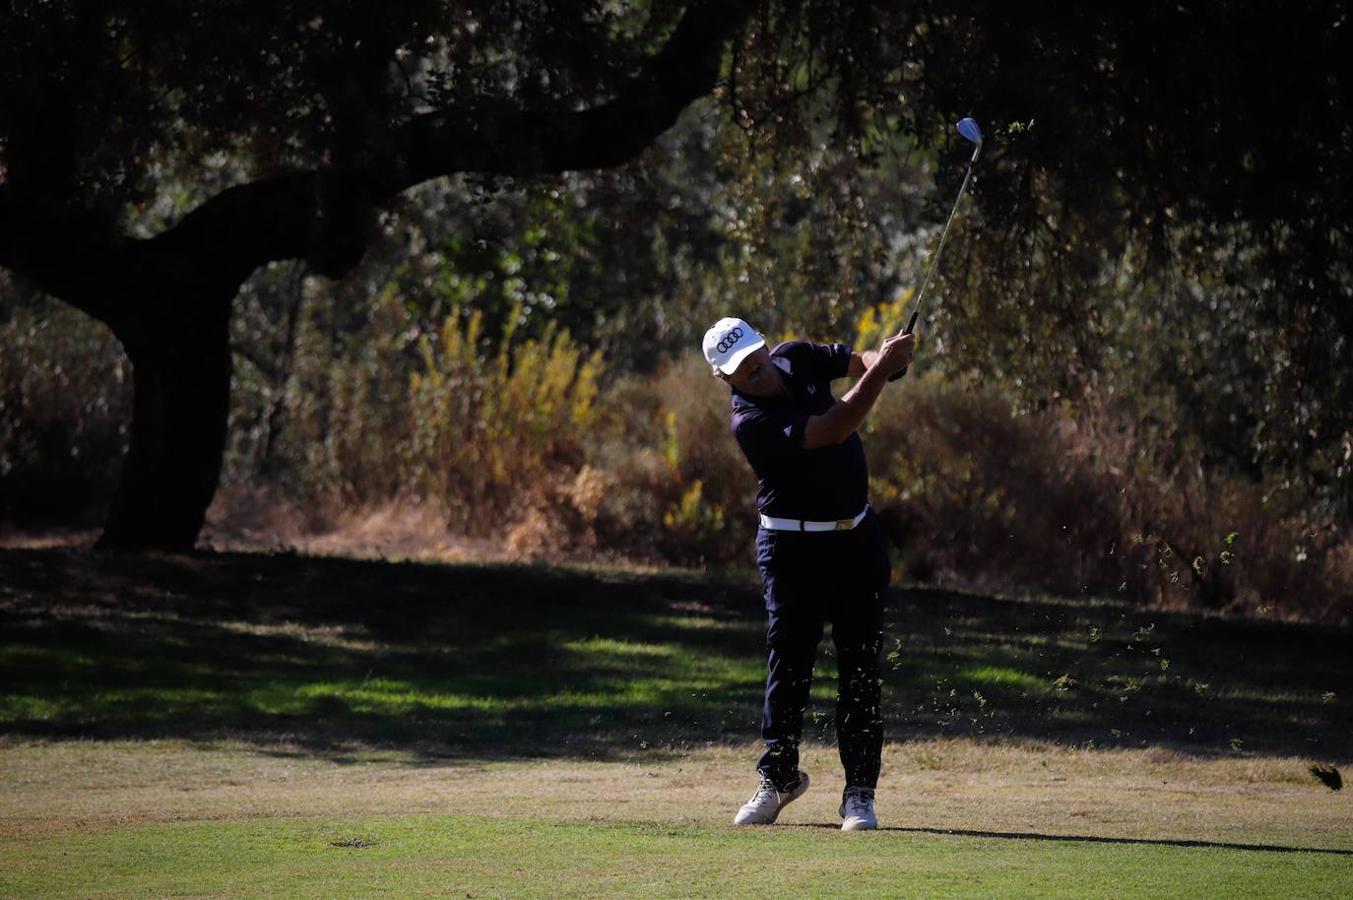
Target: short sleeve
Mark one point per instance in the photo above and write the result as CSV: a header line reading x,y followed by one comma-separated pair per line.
x,y
833,360
766,438
824,362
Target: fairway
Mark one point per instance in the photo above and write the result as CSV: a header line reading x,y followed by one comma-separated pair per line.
x,y
472,856
264,725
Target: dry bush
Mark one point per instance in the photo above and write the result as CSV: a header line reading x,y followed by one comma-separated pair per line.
x,y
1097,500
344,444
500,441
519,449
679,488
1201,538
65,401
494,443
973,492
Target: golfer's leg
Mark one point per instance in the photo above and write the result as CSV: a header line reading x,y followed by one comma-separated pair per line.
x,y
857,631
792,637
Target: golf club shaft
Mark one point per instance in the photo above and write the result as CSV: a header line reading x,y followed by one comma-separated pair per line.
x,y
935,260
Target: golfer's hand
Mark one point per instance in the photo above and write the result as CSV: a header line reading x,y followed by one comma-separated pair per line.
x,y
896,353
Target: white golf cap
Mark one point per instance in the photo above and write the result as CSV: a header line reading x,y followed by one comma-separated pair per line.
x,y
728,342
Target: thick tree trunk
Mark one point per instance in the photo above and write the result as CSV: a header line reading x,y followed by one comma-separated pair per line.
x,y
181,377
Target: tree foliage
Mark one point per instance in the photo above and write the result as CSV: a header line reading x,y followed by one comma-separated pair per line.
x,y
1189,159
1161,213
264,138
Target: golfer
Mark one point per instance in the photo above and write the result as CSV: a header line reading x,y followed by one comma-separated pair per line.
x,y
819,547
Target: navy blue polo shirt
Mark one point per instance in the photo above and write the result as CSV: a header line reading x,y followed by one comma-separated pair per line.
x,y
823,484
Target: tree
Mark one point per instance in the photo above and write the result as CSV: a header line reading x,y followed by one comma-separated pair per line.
x,y
1190,160
286,132
1195,154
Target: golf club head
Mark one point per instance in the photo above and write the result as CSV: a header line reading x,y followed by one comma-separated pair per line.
x,y
968,128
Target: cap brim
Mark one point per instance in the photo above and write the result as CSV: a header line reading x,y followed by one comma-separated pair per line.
x,y
731,366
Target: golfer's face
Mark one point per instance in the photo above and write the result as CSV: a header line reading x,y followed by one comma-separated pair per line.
x,y
756,375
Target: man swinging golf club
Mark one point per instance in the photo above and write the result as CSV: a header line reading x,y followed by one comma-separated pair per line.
x,y
819,547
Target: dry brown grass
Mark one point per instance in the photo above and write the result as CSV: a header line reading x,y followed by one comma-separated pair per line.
x,y
248,518
960,785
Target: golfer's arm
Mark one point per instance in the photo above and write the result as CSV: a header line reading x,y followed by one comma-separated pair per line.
x,y
861,363
842,420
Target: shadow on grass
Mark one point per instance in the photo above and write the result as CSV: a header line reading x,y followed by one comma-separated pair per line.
x,y
330,656
1091,839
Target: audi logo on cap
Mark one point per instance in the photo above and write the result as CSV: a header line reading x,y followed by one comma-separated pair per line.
x,y
729,340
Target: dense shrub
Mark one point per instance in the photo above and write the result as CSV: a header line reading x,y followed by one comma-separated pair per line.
x,y
65,401
342,418
501,438
535,444
1102,499
679,488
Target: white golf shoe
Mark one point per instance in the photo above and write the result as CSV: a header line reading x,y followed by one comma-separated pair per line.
x,y
857,810
765,805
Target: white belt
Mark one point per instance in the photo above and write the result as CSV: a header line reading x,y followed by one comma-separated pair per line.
x,y
774,524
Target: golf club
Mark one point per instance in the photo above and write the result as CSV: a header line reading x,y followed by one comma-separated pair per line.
x,y
968,128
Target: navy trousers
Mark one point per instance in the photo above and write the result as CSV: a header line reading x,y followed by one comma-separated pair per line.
x,y
808,579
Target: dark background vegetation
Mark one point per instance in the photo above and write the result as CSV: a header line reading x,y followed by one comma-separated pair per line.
x,y
343,259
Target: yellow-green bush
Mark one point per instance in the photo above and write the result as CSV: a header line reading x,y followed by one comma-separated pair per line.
x,y
494,439
679,487
489,436
527,440
1097,500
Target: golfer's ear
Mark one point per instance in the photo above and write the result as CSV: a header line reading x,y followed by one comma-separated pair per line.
x,y
719,375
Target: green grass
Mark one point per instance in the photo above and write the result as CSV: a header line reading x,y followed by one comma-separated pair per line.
x,y
253,724
472,856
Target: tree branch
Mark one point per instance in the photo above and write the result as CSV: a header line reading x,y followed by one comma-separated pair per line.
x,y
68,258
321,216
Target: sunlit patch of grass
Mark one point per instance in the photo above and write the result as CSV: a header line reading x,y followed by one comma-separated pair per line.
x,y
705,623
58,662
1003,676
377,696
600,647
329,636
18,707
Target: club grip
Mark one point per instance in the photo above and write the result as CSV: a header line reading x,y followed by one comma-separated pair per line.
x,y
911,326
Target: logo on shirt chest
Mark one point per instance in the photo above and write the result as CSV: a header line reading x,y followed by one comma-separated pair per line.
x,y
812,389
